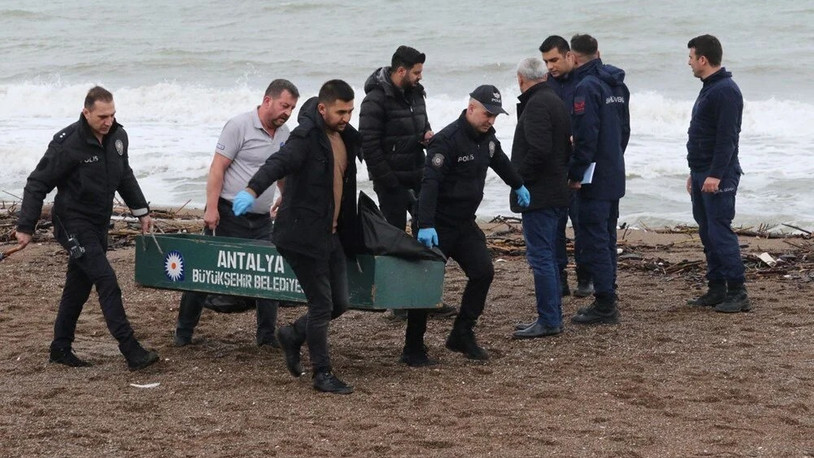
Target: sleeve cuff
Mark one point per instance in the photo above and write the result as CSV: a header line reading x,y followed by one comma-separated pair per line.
x,y
139,212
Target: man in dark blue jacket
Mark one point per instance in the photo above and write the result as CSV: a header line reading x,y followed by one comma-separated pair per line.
x,y
559,60
454,176
316,222
712,154
601,126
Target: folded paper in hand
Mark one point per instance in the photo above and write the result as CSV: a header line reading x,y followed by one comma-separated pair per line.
x,y
588,177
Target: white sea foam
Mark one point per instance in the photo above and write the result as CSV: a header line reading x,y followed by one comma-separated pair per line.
x,y
174,127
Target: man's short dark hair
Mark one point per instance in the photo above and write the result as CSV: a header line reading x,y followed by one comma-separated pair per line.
x,y
584,44
709,47
406,57
97,93
278,86
555,41
334,90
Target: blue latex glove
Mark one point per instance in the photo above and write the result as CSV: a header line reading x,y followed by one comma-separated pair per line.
x,y
428,237
242,203
523,196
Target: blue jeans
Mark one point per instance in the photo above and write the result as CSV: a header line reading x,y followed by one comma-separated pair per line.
x,y
597,234
540,233
714,214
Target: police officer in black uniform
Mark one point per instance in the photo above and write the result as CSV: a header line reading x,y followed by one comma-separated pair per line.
x,y
87,163
451,191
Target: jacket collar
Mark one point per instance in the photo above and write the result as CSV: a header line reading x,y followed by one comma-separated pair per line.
x,y
717,76
586,68
87,133
525,96
470,131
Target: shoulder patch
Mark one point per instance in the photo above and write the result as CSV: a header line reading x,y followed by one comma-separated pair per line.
x,y
119,146
60,136
438,160
491,149
579,105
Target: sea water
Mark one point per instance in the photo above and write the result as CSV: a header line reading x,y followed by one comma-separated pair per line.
x,y
180,69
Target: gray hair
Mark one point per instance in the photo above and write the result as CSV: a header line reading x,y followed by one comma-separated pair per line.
x,y
532,68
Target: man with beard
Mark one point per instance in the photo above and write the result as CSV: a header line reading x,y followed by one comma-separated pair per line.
x,y
316,225
245,143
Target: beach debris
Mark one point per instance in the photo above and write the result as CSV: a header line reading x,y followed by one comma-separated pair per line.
x,y
146,385
768,259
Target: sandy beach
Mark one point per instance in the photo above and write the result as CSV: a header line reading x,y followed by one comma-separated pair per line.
x,y
669,380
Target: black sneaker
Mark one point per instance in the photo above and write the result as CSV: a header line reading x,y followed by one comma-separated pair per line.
x,y
736,301
593,315
66,357
327,382
417,358
287,338
714,296
141,359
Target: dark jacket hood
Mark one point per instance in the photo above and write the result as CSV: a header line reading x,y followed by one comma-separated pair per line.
x,y
614,76
310,119
380,78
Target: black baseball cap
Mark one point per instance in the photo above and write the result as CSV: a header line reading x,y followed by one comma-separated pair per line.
x,y
490,98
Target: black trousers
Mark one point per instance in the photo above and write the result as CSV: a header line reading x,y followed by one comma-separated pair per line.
x,y
466,244
325,284
250,226
92,269
395,204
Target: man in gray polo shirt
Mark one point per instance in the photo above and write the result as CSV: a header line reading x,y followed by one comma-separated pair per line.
x,y
244,145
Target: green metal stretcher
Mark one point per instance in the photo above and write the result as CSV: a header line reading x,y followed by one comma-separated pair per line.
x,y
252,268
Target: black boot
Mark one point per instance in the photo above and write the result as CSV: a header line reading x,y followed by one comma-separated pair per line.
x,y
67,357
137,357
603,310
414,353
714,295
585,286
566,290
462,340
736,300
327,382
417,357
291,341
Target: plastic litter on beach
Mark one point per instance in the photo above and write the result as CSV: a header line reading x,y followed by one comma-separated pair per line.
x,y
767,259
146,385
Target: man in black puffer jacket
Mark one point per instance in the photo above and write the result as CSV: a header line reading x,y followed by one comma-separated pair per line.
x,y
394,127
